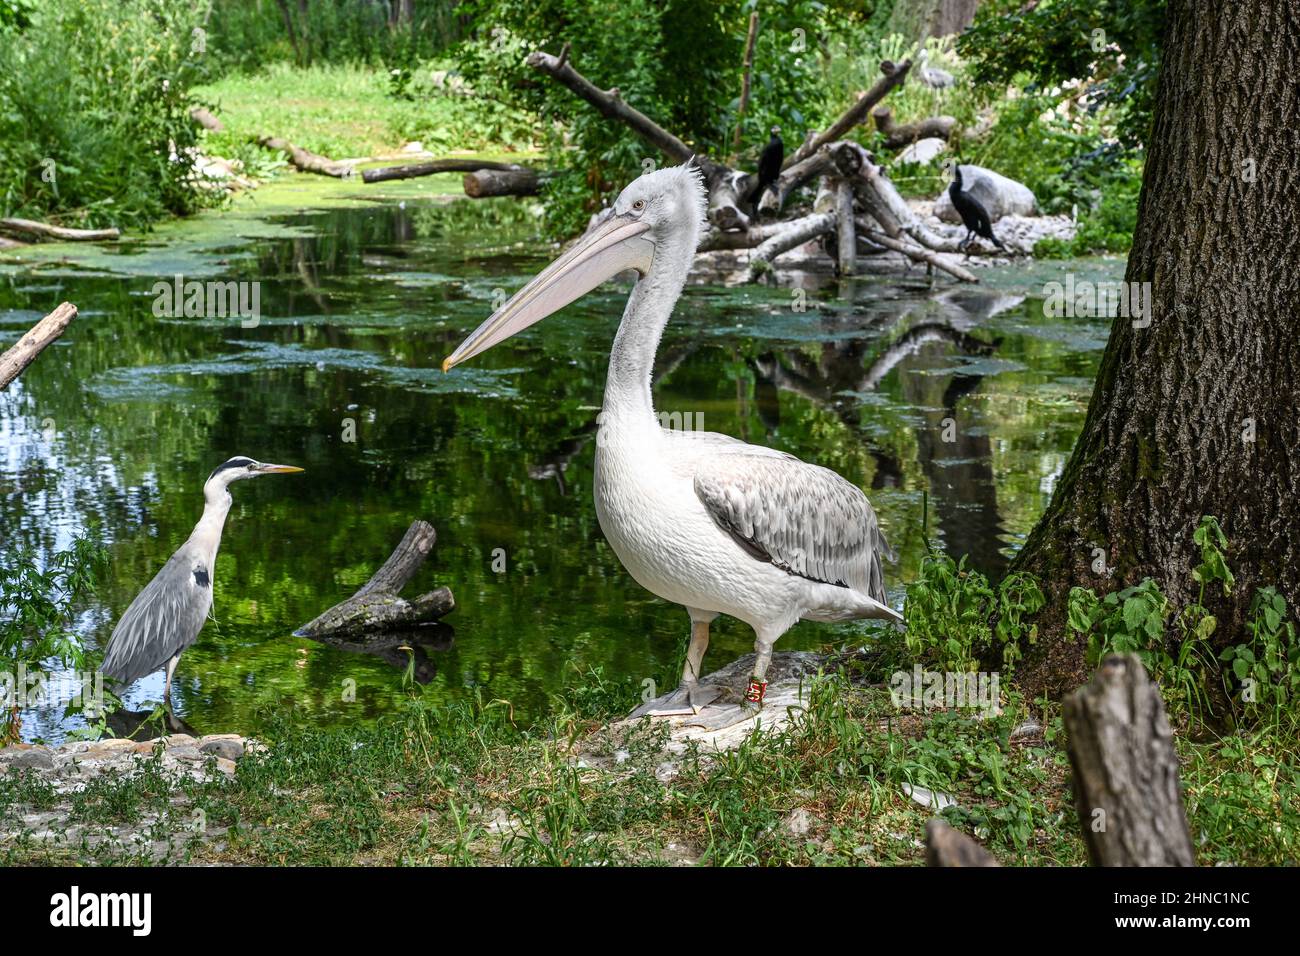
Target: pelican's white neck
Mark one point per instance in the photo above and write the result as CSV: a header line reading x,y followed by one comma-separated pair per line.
x,y
629,404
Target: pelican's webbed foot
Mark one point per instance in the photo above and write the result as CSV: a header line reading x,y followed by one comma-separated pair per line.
x,y
687,700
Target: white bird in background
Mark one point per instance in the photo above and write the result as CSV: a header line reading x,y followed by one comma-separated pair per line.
x,y
700,519
930,76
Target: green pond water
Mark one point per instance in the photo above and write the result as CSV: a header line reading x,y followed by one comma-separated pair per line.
x,y
969,394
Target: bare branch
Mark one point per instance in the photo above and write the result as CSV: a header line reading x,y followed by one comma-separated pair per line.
x,y
25,350
856,114
30,229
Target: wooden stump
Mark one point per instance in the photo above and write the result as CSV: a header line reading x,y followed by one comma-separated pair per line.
x,y
945,846
1126,786
376,607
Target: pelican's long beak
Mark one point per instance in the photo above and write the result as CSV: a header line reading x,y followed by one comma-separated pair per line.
x,y
615,246
265,469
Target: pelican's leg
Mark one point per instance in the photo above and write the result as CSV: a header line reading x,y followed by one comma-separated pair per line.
x,y
721,718
690,694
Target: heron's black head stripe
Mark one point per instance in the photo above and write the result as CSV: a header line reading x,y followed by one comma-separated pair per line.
x,y
238,461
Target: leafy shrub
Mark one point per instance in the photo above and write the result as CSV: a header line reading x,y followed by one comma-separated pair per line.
x,y
955,618
36,611
94,112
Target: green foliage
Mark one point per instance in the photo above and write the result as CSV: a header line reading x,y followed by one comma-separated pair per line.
x,y
1266,669
678,61
955,618
100,136
36,609
1175,646
1106,50
251,35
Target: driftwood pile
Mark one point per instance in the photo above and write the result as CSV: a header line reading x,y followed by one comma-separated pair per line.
x,y
856,205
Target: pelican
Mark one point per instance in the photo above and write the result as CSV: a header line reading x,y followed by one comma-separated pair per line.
x,y
700,519
167,616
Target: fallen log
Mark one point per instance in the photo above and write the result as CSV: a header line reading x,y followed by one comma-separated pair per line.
x,y
23,352
747,238
383,174
794,233
483,183
920,255
30,229
1125,769
945,846
377,607
900,135
306,160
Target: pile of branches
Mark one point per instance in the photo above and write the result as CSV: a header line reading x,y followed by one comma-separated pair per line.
x,y
856,205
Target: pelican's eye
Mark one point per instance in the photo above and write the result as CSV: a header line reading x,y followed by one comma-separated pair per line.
x,y
638,205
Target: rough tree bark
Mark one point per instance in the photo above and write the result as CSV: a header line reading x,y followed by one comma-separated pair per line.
x,y
1195,413
1126,787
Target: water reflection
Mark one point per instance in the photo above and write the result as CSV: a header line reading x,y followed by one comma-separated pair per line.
x,y
114,430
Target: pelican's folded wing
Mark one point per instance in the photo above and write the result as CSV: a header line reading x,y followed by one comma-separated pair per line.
x,y
803,518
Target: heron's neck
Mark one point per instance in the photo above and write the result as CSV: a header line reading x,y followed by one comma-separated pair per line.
x,y
207,533
629,404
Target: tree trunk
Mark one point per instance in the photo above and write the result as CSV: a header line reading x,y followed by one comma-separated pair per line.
x,y
1195,413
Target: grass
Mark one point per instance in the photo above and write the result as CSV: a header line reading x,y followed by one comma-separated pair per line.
x,y
341,111
464,786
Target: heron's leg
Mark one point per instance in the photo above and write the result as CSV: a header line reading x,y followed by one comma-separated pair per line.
x,y
167,688
690,694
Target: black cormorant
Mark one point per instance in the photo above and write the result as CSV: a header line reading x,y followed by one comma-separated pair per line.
x,y
973,214
769,167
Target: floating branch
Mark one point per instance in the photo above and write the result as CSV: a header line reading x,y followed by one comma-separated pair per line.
x,y
25,350
1126,785
431,168
794,233
377,607
30,229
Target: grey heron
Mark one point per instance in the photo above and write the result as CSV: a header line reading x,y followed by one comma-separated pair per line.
x,y
699,519
930,76
167,616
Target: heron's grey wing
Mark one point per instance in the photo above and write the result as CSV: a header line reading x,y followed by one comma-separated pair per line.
x,y
803,518
163,620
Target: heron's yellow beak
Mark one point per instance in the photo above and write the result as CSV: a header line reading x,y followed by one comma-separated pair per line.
x,y
616,245
279,469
